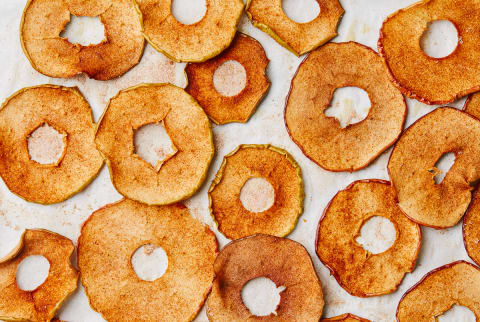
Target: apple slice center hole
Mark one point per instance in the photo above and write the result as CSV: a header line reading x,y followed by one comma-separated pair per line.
x,y
149,262
261,296
84,30
457,313
46,145
257,195
153,144
440,39
230,78
350,105
32,272
443,165
301,11
377,235
189,12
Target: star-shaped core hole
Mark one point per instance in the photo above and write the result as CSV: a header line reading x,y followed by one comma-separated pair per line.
x,y
153,144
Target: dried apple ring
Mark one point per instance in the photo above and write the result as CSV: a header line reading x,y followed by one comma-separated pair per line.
x,y
270,163
111,236
453,284
423,77
472,105
190,43
189,129
66,110
347,317
471,229
237,108
52,55
299,38
412,167
42,303
284,261
333,66
358,271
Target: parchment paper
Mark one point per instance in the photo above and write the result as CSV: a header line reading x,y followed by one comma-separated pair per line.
x,y
361,23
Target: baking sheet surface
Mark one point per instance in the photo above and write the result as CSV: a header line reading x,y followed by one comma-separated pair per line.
x,y
361,23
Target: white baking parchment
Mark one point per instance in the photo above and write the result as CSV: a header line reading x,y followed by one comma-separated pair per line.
x,y
361,23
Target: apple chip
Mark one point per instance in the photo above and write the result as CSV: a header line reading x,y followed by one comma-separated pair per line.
x,y
453,284
471,228
267,162
54,56
188,127
299,38
358,271
347,317
221,109
420,76
190,43
67,111
284,261
42,303
412,167
321,138
111,236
